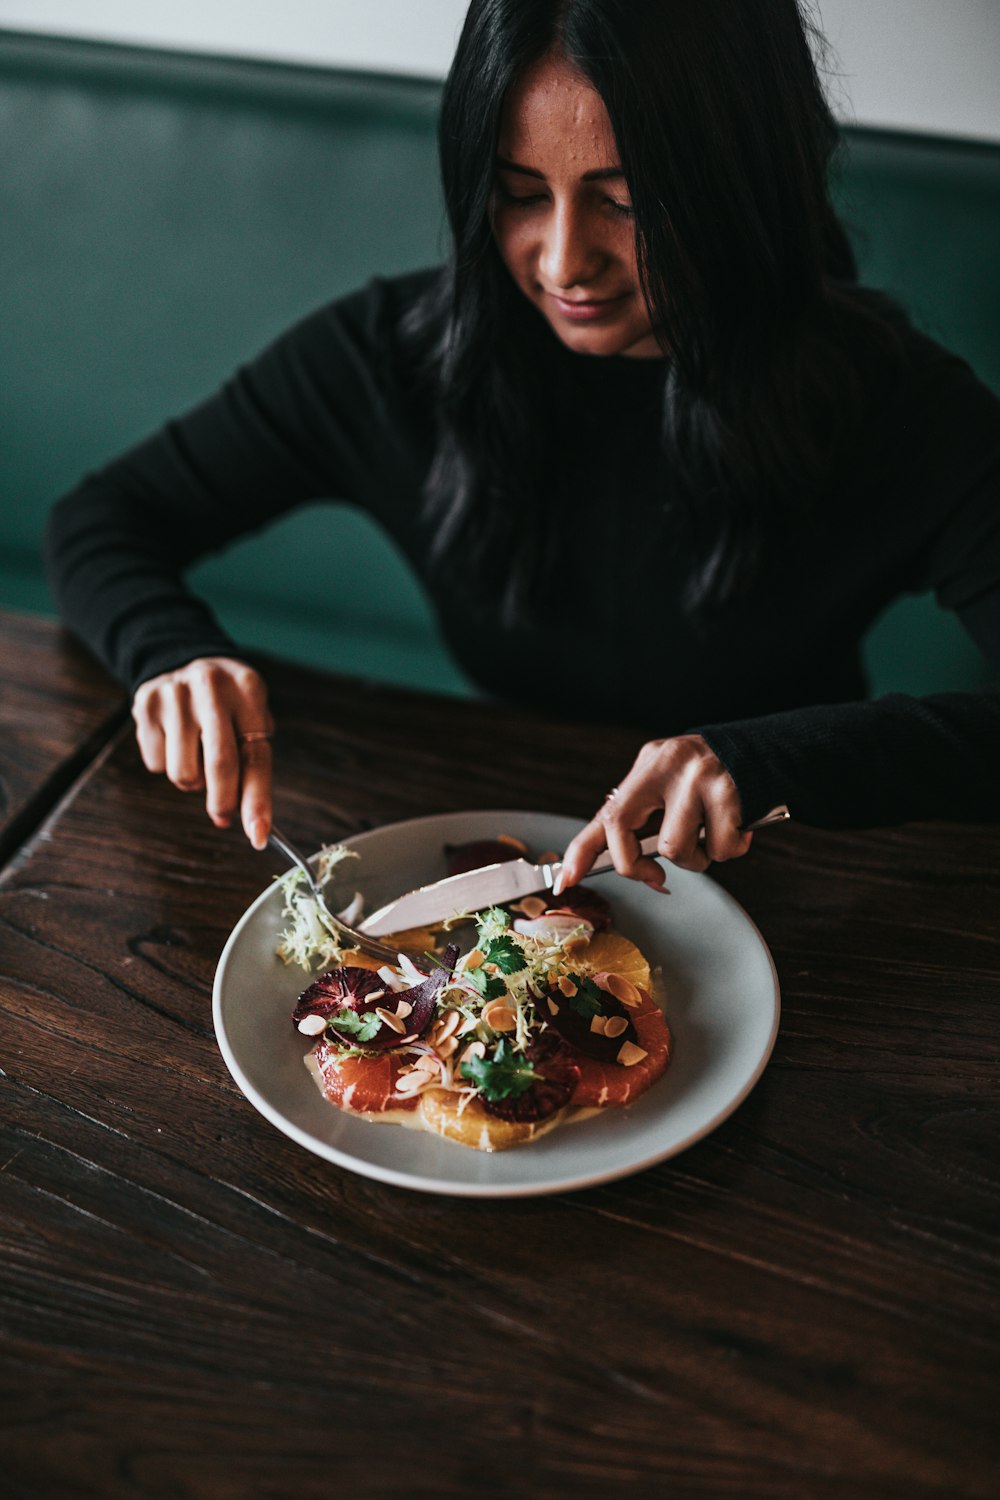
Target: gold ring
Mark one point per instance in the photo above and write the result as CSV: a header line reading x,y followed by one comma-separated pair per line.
x,y
252,736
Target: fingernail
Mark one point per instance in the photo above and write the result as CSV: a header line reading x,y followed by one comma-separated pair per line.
x,y
559,884
258,833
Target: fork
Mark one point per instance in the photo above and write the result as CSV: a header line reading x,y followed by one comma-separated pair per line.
x,y
359,940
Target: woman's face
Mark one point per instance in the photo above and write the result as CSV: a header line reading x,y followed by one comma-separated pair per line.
x,y
562,215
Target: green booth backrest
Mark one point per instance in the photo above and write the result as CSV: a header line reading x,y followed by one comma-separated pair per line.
x,y
165,215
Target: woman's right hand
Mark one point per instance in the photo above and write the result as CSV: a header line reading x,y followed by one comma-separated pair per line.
x,y
207,726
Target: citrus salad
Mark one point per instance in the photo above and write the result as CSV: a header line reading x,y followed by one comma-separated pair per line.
x,y
547,1016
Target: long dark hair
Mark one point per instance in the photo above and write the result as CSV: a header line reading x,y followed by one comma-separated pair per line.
x,y
725,140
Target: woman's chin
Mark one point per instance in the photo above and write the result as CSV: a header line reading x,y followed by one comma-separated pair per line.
x,y
605,340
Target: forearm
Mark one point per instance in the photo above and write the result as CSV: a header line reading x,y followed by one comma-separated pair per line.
x,y
856,765
116,579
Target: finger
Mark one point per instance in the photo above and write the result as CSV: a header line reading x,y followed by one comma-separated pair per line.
x,y
679,837
723,836
724,839
623,846
183,741
219,752
626,811
149,736
580,854
221,760
255,803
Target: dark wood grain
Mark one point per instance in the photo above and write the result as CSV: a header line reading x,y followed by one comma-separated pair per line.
x,y
803,1305
57,707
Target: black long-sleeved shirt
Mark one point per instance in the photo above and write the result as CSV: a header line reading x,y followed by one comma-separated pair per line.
x,y
773,681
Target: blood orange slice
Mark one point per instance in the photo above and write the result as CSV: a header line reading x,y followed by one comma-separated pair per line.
x,y
363,1085
611,1084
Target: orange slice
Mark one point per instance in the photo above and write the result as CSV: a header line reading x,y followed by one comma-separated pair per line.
x,y
613,953
474,1126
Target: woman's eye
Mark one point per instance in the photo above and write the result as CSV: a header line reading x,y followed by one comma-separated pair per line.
x,y
624,209
522,200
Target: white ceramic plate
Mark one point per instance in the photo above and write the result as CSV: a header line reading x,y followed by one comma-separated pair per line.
x,y
722,1005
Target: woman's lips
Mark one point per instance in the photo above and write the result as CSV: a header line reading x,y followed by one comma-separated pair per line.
x,y
585,310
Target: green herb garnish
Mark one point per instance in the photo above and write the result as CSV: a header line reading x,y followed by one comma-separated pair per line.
x,y
505,1075
588,1000
506,954
362,1026
490,986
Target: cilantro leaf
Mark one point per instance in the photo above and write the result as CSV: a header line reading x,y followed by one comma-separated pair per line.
x,y
490,986
505,1075
363,1026
506,954
588,1001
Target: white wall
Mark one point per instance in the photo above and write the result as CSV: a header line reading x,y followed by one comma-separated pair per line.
x,y
930,65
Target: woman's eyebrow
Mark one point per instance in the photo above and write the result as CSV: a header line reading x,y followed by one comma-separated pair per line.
x,y
599,174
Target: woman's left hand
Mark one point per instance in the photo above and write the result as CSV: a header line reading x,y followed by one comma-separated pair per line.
x,y
682,779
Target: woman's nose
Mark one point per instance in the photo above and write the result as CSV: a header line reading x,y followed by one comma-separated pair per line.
x,y
569,255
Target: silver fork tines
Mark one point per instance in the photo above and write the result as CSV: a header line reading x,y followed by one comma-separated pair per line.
x,y
356,939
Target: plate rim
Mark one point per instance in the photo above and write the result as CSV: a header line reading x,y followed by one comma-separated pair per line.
x,y
395,1177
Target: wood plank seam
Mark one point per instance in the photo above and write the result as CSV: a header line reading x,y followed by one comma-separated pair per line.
x,y
47,804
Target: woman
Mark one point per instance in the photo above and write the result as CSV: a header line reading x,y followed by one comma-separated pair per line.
x,y
647,441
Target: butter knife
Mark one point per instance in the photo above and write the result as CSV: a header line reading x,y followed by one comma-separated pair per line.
x,y
493,885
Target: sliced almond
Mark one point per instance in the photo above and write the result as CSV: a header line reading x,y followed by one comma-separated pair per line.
x,y
404,1009
375,995
427,1063
518,844
598,1024
312,1025
531,906
615,1025
629,1054
474,959
394,1022
474,1049
499,1016
568,986
623,989
448,1024
553,1007
411,1083
447,1048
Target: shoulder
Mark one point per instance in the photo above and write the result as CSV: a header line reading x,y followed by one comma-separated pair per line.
x,y
381,313
356,344
923,403
888,340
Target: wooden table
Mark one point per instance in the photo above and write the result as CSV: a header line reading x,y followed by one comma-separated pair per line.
x,y
57,710
804,1304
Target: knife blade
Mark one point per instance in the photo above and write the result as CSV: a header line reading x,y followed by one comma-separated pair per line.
x,y
492,885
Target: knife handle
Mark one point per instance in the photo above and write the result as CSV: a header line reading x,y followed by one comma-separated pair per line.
x,y
604,861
